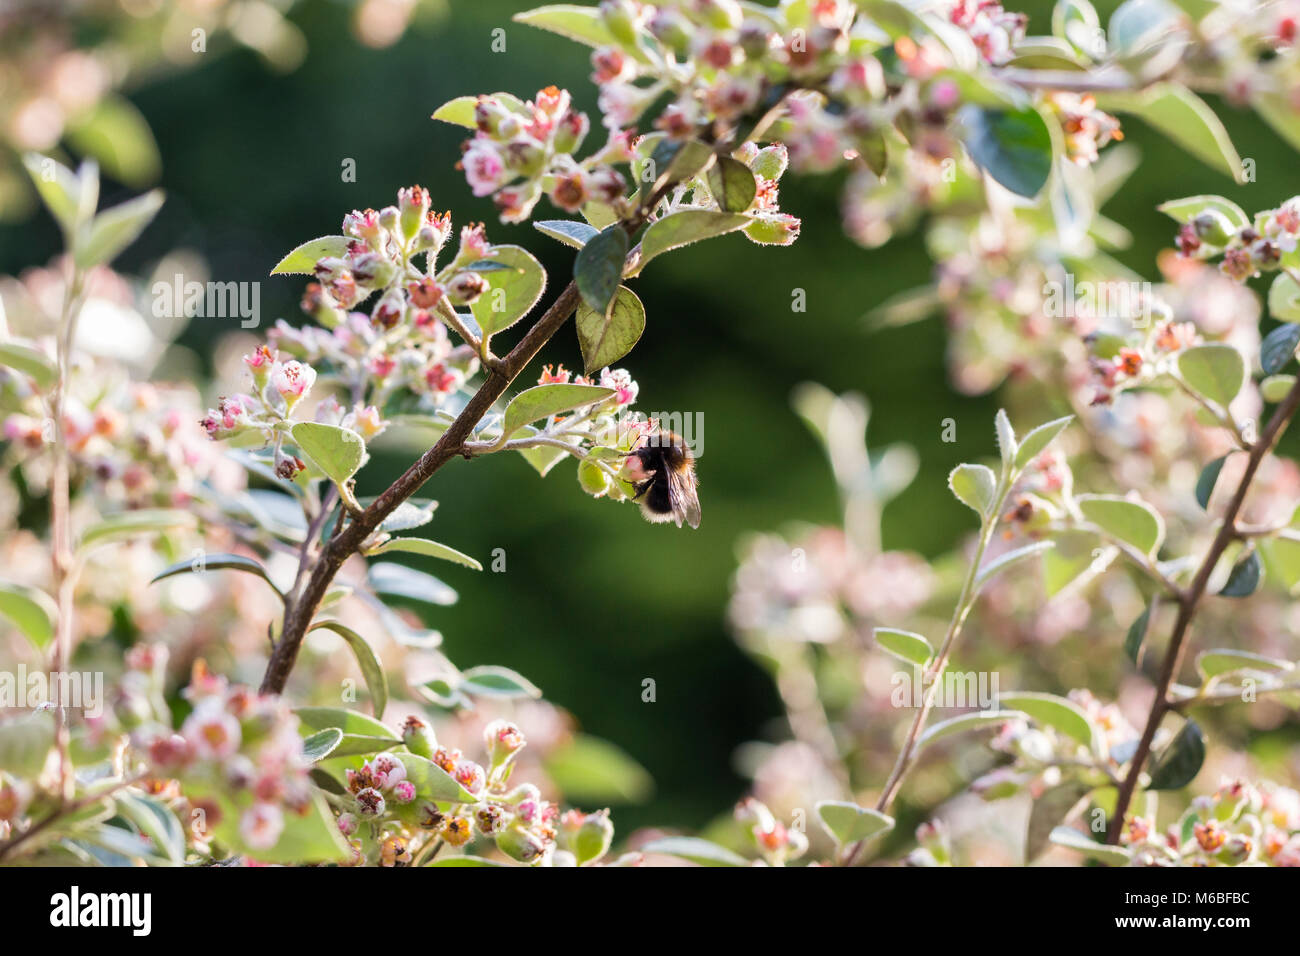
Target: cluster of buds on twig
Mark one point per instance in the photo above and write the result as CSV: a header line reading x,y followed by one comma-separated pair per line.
x,y
398,346
1239,824
522,151
1267,245
386,818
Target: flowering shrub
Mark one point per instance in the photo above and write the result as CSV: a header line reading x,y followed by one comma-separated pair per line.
x,y
948,112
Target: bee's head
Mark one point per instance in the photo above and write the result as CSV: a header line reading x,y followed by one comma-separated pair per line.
x,y
639,465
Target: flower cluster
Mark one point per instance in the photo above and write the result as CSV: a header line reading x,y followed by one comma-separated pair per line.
x,y
389,819
522,151
398,346
237,748
1239,824
1247,249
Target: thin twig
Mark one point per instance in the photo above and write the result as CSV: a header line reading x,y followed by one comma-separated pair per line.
x,y
1187,605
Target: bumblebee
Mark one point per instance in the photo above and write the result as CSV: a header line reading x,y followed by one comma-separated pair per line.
x,y
662,470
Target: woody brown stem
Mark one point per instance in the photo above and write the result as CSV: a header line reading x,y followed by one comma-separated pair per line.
x,y
1188,601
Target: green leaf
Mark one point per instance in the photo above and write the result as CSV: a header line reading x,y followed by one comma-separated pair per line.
x,y
1133,522
371,669
302,261
348,721
906,646
1036,442
685,227
217,562
1006,436
606,337
588,769
117,135
490,680
847,823
1012,146
1072,839
975,720
155,820
31,610
1053,711
1186,209
429,548
1215,370
1053,807
25,742
1276,387
1276,109
598,267
732,184
581,24
386,577
461,110
543,401
114,229
59,188
1284,298
431,781
696,850
512,291
1283,554
1244,578
1179,763
975,486
31,362
1074,556
1219,661
338,452
321,744
571,232
1137,633
1278,347
1005,560
1185,118
129,524
1206,481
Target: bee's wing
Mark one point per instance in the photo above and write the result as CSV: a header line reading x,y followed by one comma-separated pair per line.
x,y
683,497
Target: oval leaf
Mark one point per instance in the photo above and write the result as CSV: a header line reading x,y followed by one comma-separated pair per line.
x,y
975,486
302,261
338,452
371,670
696,850
217,562
1214,370
848,823
512,290
1279,347
1134,522
543,401
1179,763
906,646
598,267
685,227
606,337
426,547
31,362
1055,712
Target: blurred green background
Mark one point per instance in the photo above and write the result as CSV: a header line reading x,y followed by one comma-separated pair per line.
x,y
595,599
